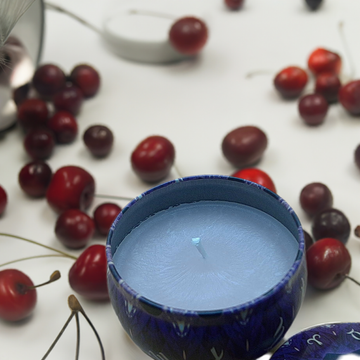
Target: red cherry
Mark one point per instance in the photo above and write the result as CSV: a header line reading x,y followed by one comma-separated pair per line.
x,y
69,98
153,158
86,78
244,146
104,215
328,262
323,60
74,228
234,4
188,35
35,177
328,85
17,300
313,109
99,140
71,187
64,126
32,113
39,143
3,200
315,197
87,276
257,176
48,79
291,81
349,97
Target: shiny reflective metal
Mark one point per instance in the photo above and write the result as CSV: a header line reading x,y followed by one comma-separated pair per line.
x,y
21,53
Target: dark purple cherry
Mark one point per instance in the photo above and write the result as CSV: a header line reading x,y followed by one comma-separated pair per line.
x,y
64,126
48,79
39,143
99,140
69,98
315,197
34,178
313,109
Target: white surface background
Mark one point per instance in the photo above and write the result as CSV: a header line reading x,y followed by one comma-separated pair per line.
x,y
193,103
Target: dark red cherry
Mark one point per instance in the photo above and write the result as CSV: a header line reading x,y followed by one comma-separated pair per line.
x,y
257,176
99,140
32,113
291,81
87,276
323,60
17,295
153,158
71,187
3,200
35,177
234,4
69,98
188,35
104,216
39,143
331,223
86,78
313,109
244,146
74,228
315,197
21,93
349,97
328,262
328,85
64,126
48,79
308,240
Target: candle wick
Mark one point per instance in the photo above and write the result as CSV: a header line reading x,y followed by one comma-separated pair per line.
x,y
198,244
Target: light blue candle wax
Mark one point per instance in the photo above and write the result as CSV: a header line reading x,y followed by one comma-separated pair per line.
x,y
206,255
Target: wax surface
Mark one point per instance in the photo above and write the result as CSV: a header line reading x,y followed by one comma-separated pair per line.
x,y
247,253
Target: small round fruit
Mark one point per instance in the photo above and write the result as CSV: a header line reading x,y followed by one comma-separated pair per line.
x,y
349,97
331,223
99,140
74,228
257,176
48,79
234,4
32,113
313,4
153,158
69,98
71,187
64,126
39,143
313,109
104,216
323,60
17,297
244,146
188,35
3,200
86,78
328,85
290,82
34,178
87,276
315,197
328,262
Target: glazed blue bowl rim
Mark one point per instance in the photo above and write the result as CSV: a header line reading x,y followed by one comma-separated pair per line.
x,y
262,298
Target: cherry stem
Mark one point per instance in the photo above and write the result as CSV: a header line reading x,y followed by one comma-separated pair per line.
x,y
53,277
177,171
39,244
72,15
77,335
347,50
113,197
352,279
151,13
251,74
30,258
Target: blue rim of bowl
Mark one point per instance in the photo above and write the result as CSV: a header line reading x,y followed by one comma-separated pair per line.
x,y
203,313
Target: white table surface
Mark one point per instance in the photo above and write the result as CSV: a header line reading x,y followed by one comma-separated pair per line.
x,y
195,104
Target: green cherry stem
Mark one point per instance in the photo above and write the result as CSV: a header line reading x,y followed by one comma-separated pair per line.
x,y
30,258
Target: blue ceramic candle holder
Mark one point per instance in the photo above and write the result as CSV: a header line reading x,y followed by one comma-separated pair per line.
x,y
245,331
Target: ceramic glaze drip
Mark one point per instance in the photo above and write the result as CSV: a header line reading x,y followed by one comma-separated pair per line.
x,y
247,253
